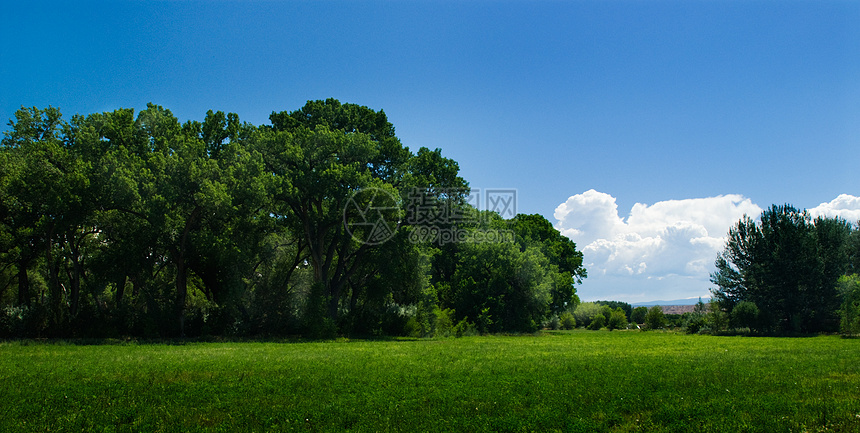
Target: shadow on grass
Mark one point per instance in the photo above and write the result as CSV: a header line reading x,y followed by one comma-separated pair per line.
x,y
194,340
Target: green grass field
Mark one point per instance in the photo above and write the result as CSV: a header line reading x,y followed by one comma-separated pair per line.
x,y
567,381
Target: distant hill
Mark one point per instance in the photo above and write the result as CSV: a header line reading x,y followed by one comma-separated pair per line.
x,y
687,301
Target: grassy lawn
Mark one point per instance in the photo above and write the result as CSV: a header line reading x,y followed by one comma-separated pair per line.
x,y
578,381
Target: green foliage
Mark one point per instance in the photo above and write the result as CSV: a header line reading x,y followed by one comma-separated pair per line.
x,y
484,322
605,311
613,305
745,315
694,323
655,319
499,281
553,323
717,319
598,322
115,224
617,319
787,265
536,231
567,321
849,289
586,312
638,315
445,324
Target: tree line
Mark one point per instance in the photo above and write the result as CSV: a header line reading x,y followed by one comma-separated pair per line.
x,y
321,222
789,273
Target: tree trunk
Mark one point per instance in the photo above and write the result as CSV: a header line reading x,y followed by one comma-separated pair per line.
x,y
333,303
75,281
120,289
181,292
23,284
182,269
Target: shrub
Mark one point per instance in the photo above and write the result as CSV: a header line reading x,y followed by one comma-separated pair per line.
x,y
655,319
606,312
598,322
465,329
717,318
22,321
694,323
553,323
849,288
585,313
567,321
413,328
617,320
485,321
443,323
12,321
745,315
638,315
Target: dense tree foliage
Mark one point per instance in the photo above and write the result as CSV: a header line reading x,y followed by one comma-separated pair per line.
x,y
849,311
617,319
638,314
116,224
782,271
613,305
655,319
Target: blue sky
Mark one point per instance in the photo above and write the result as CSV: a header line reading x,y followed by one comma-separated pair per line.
x,y
648,102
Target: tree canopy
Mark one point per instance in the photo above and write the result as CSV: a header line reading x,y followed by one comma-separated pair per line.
x,y
121,224
783,270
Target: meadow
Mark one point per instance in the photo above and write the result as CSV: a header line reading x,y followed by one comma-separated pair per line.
x,y
579,381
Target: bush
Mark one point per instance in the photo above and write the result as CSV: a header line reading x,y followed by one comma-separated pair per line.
x,y
465,329
606,312
655,319
23,321
598,322
12,321
694,323
567,321
745,315
485,321
585,313
553,323
617,320
717,318
849,288
413,328
444,325
638,315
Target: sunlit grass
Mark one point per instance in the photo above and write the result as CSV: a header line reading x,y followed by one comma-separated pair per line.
x,y
566,381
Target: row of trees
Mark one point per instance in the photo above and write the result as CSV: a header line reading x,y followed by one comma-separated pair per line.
x,y
613,315
789,273
116,224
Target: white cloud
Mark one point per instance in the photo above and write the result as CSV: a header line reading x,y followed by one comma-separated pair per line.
x,y
591,215
666,249
845,206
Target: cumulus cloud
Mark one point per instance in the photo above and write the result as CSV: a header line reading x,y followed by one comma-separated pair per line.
x,y
674,239
845,206
588,217
665,250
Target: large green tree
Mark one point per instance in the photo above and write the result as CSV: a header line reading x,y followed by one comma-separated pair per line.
x,y
536,231
497,281
332,161
787,265
121,223
501,281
